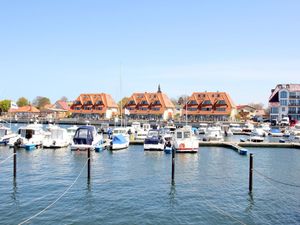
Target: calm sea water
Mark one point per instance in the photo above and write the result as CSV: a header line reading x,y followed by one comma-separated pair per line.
x,y
134,187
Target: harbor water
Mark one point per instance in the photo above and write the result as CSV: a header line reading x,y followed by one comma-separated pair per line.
x,y
134,187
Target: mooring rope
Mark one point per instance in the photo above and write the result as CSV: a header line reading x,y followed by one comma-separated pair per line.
x,y
223,212
7,158
65,192
279,190
274,180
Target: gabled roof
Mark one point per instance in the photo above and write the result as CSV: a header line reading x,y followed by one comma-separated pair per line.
x,y
239,107
106,98
25,109
288,87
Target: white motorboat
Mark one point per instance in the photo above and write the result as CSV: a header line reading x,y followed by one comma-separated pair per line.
x,y
120,138
71,132
259,132
119,142
58,138
154,141
276,133
202,128
5,135
235,128
249,127
29,137
86,137
214,134
185,140
256,138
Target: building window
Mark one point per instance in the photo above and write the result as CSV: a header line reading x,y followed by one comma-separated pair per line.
x,y
144,102
192,102
283,102
292,94
206,102
274,110
221,109
131,102
283,94
293,102
155,109
192,109
99,103
221,102
283,109
157,102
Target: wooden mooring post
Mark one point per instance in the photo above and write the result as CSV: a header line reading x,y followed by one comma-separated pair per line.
x,y
251,173
15,162
173,165
89,164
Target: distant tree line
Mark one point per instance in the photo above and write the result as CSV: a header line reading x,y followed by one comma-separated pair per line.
x,y
40,102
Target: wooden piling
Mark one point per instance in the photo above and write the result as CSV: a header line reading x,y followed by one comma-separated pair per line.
x,y
89,164
173,165
15,162
251,173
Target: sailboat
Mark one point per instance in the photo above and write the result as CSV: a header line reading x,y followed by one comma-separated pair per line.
x,y
120,138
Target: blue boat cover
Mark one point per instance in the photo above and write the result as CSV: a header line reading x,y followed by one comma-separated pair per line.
x,y
275,131
84,135
119,139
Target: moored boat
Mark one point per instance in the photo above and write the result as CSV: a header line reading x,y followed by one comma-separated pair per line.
x,y
86,137
154,141
185,141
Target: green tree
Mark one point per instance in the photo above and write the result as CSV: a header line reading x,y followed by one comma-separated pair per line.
x,y
22,102
40,102
122,103
4,105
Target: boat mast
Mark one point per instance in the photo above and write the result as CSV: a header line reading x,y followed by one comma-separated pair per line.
x,y
186,111
121,92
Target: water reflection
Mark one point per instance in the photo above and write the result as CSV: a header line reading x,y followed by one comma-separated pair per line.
x,y
172,194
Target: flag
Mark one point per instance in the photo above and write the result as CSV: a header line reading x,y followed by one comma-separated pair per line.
x,y
13,105
127,112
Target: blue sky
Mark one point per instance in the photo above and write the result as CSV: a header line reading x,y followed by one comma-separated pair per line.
x,y
64,48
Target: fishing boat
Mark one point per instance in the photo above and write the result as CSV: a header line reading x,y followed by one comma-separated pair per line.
x,y
58,138
185,141
154,141
5,135
29,137
86,137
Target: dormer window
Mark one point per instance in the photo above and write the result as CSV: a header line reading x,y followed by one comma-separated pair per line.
x,y
131,102
88,103
144,102
157,102
99,102
221,102
206,102
192,102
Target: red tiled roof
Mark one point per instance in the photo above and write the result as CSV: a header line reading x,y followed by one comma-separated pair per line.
x,y
24,109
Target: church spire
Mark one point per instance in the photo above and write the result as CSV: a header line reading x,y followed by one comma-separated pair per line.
x,y
159,91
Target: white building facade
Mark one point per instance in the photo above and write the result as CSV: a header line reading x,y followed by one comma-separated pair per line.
x,y
285,101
